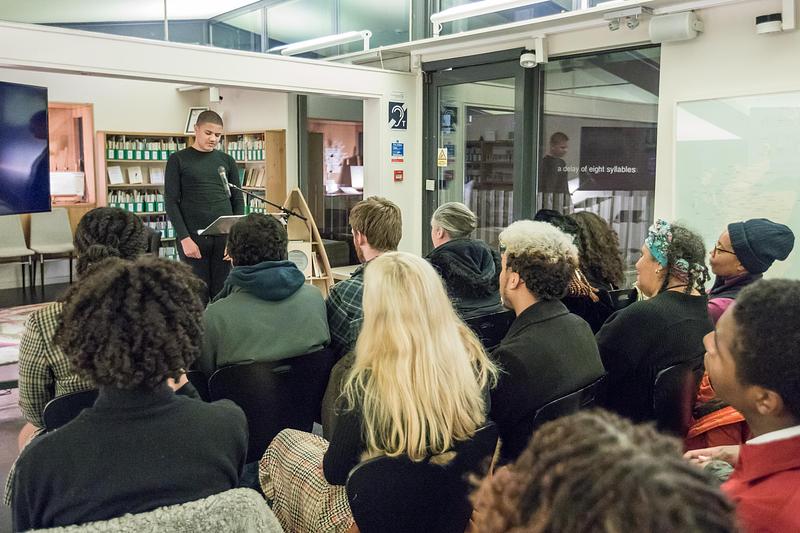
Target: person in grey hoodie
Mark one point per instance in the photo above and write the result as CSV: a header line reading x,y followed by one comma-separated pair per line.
x,y
469,268
265,311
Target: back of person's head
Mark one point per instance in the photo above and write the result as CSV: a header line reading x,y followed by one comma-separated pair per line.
x,y
380,221
766,345
419,371
132,324
543,256
598,245
594,472
209,117
257,238
456,219
683,253
107,232
758,242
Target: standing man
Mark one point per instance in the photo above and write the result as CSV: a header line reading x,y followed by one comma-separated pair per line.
x,y
553,179
196,194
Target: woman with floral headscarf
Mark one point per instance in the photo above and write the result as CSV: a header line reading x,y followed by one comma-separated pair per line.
x,y
667,328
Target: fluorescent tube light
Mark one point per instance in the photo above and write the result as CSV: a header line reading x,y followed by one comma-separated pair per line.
x,y
474,9
323,42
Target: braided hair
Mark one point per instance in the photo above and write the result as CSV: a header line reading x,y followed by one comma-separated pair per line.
x,y
686,260
108,232
594,472
132,324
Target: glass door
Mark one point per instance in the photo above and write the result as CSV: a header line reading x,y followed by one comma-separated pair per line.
x,y
475,120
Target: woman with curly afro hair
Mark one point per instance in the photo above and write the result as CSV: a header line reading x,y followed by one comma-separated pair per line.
x,y
127,328
594,472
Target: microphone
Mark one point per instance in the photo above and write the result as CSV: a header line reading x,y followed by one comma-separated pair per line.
x,y
224,178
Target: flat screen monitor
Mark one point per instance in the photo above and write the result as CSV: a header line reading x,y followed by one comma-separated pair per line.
x,y
618,159
24,149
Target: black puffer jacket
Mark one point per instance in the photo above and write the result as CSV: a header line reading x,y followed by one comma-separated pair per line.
x,y
470,270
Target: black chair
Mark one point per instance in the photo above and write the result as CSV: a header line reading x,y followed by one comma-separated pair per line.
x,y
275,395
199,380
153,241
63,409
622,298
395,494
584,398
674,394
491,329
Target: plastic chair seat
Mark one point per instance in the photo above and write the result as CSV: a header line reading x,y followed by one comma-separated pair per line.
x,y
63,409
53,248
13,252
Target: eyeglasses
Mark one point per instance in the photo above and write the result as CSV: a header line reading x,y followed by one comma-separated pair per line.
x,y
719,250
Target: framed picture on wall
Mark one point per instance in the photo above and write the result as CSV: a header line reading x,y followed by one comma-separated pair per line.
x,y
191,120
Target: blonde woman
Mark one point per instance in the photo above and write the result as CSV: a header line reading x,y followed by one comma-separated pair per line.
x,y
418,386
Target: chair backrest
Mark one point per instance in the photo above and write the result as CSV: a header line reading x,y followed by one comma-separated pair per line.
x,y
395,494
62,409
491,329
674,394
199,381
11,235
235,511
584,398
275,395
50,228
622,298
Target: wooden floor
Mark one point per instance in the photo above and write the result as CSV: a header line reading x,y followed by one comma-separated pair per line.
x,y
28,296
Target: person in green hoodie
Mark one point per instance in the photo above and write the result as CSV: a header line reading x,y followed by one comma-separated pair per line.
x,y
265,311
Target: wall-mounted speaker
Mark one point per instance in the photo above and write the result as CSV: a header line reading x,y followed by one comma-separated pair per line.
x,y
675,27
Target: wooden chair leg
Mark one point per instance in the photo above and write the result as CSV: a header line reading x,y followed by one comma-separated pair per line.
x,y
24,285
32,272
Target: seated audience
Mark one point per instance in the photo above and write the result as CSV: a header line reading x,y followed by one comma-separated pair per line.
x,y
548,352
668,328
469,268
753,361
265,310
377,228
590,302
596,472
126,329
418,386
744,251
44,370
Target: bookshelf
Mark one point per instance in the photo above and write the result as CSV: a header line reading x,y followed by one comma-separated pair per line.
x,y
131,169
303,236
261,159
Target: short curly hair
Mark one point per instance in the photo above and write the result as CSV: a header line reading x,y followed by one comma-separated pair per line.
x,y
108,232
596,472
257,238
689,246
543,256
598,244
132,324
767,341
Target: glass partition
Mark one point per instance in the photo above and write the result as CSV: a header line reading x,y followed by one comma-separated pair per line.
x,y
598,140
542,8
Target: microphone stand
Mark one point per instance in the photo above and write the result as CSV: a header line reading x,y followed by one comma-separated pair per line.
x,y
282,209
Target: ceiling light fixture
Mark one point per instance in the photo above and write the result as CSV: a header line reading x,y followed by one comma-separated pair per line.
x,y
324,42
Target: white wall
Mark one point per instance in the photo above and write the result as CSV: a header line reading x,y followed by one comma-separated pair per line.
x,y
728,59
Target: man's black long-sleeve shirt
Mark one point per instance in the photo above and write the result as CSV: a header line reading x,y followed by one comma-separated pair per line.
x,y
194,195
